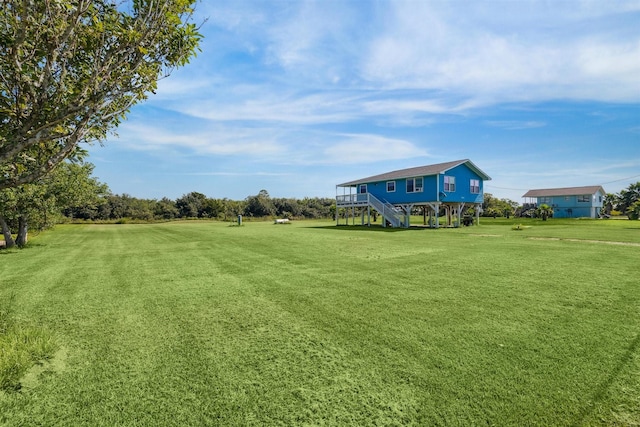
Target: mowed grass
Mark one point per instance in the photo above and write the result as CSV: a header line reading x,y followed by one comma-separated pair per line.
x,y
200,323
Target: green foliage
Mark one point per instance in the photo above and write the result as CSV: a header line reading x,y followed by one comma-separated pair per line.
x,y
609,203
493,207
260,205
626,201
197,205
41,204
199,323
192,205
633,211
544,211
72,69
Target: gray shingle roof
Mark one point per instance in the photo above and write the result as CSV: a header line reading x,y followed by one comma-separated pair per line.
x,y
427,170
567,191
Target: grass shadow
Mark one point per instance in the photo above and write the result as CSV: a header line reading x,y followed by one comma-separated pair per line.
x,y
372,228
601,391
16,249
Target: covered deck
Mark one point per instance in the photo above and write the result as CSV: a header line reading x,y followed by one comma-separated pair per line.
x,y
365,206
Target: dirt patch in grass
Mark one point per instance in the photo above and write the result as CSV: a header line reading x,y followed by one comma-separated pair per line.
x,y
604,242
54,365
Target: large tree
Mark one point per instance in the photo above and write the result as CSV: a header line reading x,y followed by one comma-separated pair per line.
x,y
492,206
40,204
191,205
260,205
71,69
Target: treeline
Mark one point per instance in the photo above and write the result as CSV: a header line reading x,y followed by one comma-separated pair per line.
x,y
494,207
114,207
71,193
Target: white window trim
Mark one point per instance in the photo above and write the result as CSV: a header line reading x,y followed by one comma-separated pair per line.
x,y
415,188
472,186
394,187
447,185
583,198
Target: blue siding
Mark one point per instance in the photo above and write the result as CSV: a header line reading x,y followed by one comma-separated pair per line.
x,y
431,187
462,192
572,207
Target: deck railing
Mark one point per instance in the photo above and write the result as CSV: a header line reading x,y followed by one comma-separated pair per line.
x,y
353,199
395,216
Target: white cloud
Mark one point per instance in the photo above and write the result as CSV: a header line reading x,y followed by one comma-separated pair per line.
x,y
404,62
425,46
303,86
362,148
267,145
171,88
223,142
516,124
260,106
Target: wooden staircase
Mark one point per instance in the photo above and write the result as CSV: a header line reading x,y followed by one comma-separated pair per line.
x,y
394,216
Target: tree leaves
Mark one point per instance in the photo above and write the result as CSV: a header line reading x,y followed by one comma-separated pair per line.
x,y
71,70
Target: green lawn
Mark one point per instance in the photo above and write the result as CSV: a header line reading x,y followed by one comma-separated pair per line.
x,y
202,323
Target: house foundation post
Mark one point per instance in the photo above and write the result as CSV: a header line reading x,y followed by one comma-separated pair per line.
x,y
460,209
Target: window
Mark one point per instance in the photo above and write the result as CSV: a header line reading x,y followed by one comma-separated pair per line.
x,y
545,200
391,186
414,185
449,183
475,186
362,189
585,198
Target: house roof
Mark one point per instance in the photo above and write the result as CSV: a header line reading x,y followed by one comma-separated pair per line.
x,y
568,191
427,170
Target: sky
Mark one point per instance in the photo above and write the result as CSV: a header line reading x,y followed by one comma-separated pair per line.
x,y
295,97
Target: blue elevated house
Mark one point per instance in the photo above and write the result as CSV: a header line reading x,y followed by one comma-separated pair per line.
x,y
450,187
569,202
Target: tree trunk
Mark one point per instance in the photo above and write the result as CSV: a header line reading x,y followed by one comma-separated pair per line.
x,y
8,239
21,238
